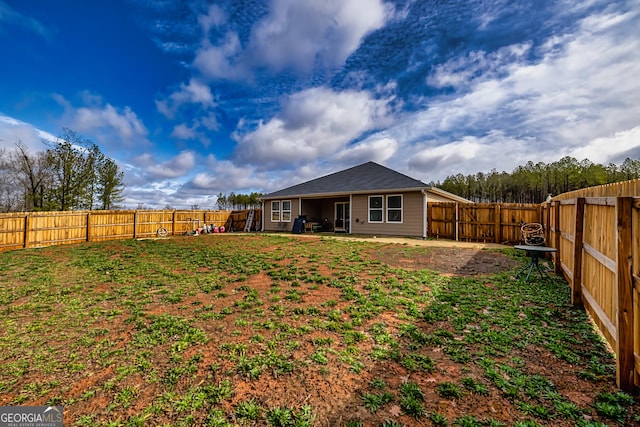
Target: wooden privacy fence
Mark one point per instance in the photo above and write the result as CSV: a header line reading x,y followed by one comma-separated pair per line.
x,y
598,242
36,229
481,222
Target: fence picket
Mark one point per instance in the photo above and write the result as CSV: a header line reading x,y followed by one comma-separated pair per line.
x,y
598,252
37,229
480,222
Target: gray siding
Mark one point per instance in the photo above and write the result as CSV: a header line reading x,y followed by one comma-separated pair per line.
x,y
270,225
413,210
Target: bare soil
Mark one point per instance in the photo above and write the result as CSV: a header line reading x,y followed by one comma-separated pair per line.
x,y
453,261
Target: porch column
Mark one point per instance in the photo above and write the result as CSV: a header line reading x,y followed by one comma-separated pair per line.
x,y
424,214
350,205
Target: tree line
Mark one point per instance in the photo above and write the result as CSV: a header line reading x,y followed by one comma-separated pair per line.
x,y
534,182
72,173
238,201
227,202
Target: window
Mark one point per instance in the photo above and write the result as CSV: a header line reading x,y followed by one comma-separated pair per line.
x,y
394,208
281,211
375,209
286,211
275,211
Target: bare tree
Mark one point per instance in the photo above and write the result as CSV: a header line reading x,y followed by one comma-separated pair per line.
x,y
9,190
71,174
32,173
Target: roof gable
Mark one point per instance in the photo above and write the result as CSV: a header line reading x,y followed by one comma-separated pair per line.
x,y
367,177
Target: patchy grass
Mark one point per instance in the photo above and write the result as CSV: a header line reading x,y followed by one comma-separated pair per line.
x,y
235,330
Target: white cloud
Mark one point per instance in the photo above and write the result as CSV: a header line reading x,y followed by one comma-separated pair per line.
x,y
223,175
461,72
13,131
111,125
579,99
176,167
296,35
376,149
182,131
313,123
610,149
588,90
209,122
215,16
125,122
436,160
144,159
196,92
197,131
221,61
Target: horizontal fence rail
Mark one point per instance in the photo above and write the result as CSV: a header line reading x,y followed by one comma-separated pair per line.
x,y
480,222
629,188
38,229
598,252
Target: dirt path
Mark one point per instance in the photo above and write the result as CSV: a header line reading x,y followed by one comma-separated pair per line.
x,y
443,256
441,243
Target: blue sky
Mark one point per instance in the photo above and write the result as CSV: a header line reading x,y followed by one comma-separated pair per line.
x,y
194,98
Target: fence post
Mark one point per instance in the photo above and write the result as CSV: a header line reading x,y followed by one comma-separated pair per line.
x,y
498,223
541,215
135,224
558,234
625,338
578,237
547,221
173,223
456,221
26,230
429,219
88,226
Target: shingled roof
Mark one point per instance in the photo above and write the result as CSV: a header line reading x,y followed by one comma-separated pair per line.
x,y
365,178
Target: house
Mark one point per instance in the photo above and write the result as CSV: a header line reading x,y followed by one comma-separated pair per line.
x,y
365,199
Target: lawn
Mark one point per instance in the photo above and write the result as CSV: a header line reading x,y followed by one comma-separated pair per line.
x,y
260,330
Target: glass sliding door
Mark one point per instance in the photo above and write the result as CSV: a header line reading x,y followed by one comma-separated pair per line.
x,y
342,215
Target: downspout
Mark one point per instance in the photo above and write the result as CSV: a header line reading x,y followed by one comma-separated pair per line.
x,y
262,219
299,207
424,212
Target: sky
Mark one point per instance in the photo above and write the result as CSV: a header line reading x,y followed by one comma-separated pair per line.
x,y
196,98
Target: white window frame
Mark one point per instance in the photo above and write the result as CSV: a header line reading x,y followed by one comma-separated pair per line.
x,y
370,209
275,213
285,212
394,209
278,211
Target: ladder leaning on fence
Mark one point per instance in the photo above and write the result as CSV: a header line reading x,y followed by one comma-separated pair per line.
x,y
247,224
